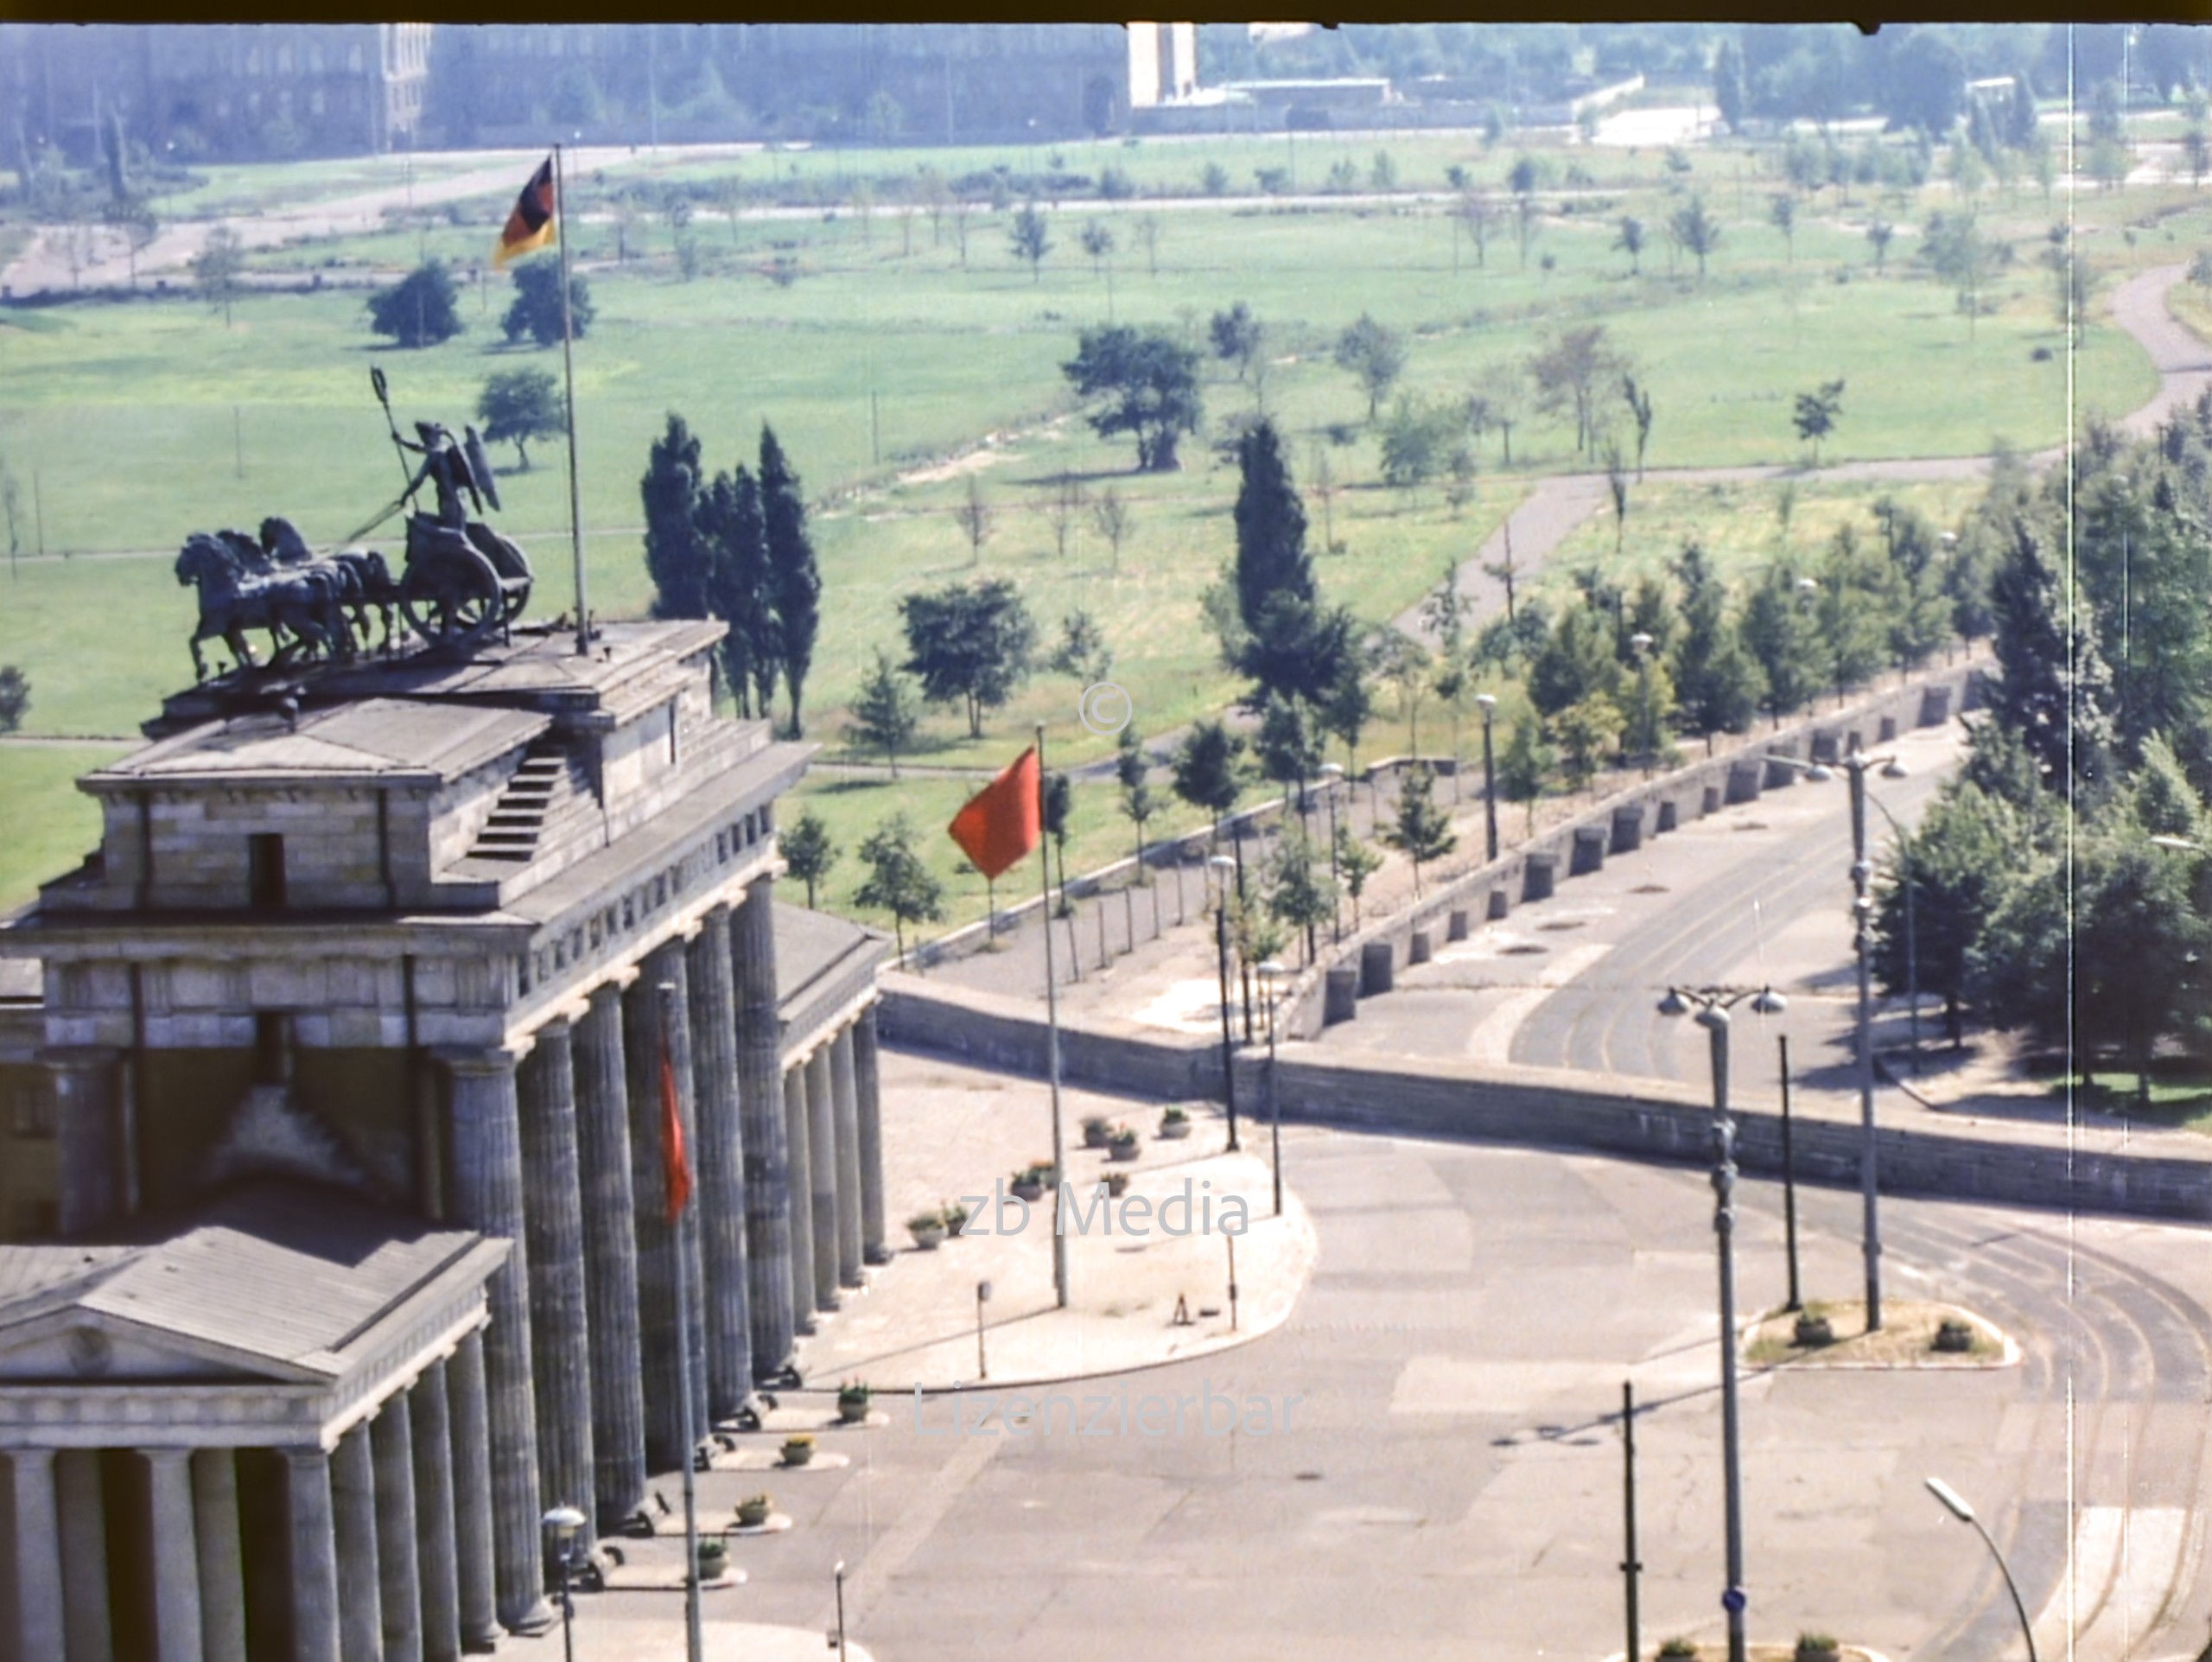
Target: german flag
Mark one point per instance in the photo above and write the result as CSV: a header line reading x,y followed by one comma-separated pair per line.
x,y
530,227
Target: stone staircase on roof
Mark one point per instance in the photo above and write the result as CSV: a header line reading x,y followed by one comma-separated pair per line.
x,y
519,818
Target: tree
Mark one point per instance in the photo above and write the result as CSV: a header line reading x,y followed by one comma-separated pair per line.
x,y
1639,410
135,217
1579,660
1288,745
1570,371
1778,632
1716,679
219,270
1728,85
970,645
536,309
1375,356
1067,501
1356,864
1300,892
419,310
521,405
885,713
1346,711
1957,252
1782,209
1030,238
1879,233
1522,767
808,852
794,579
898,881
1151,380
1617,484
977,520
1816,414
1059,815
1082,651
1422,832
677,557
1270,520
732,522
1147,227
1697,230
1132,765
1501,396
1586,730
1237,337
1111,517
1206,770
1097,242
1924,84
1959,867
15,697
1403,663
2053,689
1629,240
1417,441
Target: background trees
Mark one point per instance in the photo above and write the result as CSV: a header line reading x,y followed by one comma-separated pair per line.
x,y
521,405
794,581
1375,356
1150,382
536,309
419,310
969,645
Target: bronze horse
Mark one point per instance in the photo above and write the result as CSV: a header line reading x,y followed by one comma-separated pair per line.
x,y
364,580
299,606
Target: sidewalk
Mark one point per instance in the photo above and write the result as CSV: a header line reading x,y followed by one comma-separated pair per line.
x,y
953,1131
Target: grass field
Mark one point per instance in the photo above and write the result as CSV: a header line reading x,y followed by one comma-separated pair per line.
x,y
50,823
127,426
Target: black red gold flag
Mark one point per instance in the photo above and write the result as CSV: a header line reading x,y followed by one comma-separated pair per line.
x,y
530,227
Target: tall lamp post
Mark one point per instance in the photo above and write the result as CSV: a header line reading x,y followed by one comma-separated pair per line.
x,y
1895,769
1645,739
1335,777
1956,1506
1711,1004
1489,703
563,1523
1222,870
1273,974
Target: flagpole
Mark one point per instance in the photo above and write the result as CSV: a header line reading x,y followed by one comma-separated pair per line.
x,y
692,1636
1053,1041
569,372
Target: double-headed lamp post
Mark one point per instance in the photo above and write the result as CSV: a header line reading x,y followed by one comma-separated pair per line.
x,y
1711,1004
563,1523
1273,974
1223,871
1955,1505
1334,778
1489,703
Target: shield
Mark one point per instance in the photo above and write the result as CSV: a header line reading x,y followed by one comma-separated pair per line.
x,y
479,467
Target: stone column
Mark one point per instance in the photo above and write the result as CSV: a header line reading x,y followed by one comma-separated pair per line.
x,y
392,1441
485,1193
360,1570
844,1098
618,1403
221,1548
431,1424
313,1555
767,1147
867,1081
667,1440
799,1190
721,1202
38,1603
87,1625
176,1558
560,1344
472,1494
822,1146
87,1110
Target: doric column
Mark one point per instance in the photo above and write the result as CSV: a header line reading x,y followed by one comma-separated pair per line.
x,y
38,1603
313,1567
618,1403
87,1121
821,1145
560,1345
485,1193
720,1203
392,1441
472,1494
89,1627
867,1081
432,1428
799,1193
176,1558
360,1570
844,1098
760,1107
221,1551
668,1442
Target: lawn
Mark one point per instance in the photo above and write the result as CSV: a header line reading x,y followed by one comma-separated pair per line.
x,y
2185,1104
48,824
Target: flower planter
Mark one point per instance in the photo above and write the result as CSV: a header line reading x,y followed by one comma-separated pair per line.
x,y
1117,1183
713,1559
1814,1330
1816,1651
1955,1336
1122,1151
852,1407
753,1513
1028,1192
798,1453
1095,1132
927,1240
1174,1129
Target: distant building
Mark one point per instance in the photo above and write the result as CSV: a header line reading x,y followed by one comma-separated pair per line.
x,y
229,90
1163,63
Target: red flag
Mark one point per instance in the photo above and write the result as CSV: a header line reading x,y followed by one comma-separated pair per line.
x,y
675,1168
530,225
1004,820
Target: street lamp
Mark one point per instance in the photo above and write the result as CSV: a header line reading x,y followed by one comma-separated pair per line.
x,y
1223,872
1644,737
563,1522
1273,974
1335,776
1955,1505
1711,1004
839,1572
1489,703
